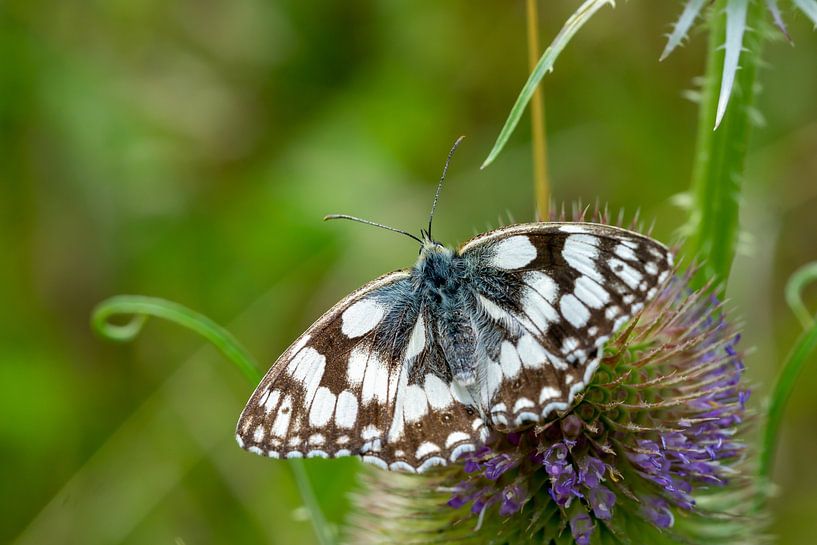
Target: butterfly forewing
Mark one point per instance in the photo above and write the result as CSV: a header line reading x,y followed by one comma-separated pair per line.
x,y
366,379
551,295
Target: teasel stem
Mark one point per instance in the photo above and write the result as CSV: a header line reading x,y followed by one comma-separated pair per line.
x,y
541,181
721,147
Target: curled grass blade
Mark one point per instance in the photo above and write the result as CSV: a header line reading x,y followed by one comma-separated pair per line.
x,y
691,11
787,377
140,308
794,290
545,65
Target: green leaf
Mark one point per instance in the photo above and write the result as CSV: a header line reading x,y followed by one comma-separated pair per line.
x,y
545,65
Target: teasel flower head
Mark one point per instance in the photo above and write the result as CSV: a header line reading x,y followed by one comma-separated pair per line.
x,y
651,452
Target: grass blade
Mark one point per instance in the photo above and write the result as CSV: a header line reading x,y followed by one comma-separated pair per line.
x,y
545,65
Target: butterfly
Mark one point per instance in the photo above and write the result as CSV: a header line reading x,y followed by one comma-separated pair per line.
x,y
422,365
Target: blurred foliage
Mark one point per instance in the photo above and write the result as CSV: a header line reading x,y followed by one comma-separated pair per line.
x,y
189,149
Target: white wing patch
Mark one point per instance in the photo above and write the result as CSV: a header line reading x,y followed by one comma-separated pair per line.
x,y
356,367
531,352
307,368
375,380
574,311
281,425
538,310
509,360
591,293
542,284
361,317
581,252
415,403
323,407
437,392
417,341
513,253
629,275
346,410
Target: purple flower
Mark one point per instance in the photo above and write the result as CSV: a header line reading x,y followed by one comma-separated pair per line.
x,y
496,466
602,501
564,486
513,497
657,511
581,526
591,471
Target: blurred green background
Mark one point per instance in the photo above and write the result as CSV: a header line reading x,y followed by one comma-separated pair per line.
x,y
189,149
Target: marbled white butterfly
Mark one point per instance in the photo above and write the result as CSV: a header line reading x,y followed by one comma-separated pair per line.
x,y
419,366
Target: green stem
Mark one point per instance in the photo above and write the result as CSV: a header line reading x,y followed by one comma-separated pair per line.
x,y
787,378
140,308
541,182
720,155
545,65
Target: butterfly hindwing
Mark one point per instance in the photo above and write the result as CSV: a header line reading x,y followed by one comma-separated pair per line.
x,y
366,379
551,295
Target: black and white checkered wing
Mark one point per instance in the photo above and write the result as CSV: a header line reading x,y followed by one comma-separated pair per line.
x,y
549,296
366,379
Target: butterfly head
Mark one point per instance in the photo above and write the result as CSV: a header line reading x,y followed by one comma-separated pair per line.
x,y
430,246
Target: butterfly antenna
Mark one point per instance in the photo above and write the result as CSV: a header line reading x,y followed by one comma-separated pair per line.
x,y
367,222
440,185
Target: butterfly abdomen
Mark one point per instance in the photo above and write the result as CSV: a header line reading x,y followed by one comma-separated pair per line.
x,y
458,341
